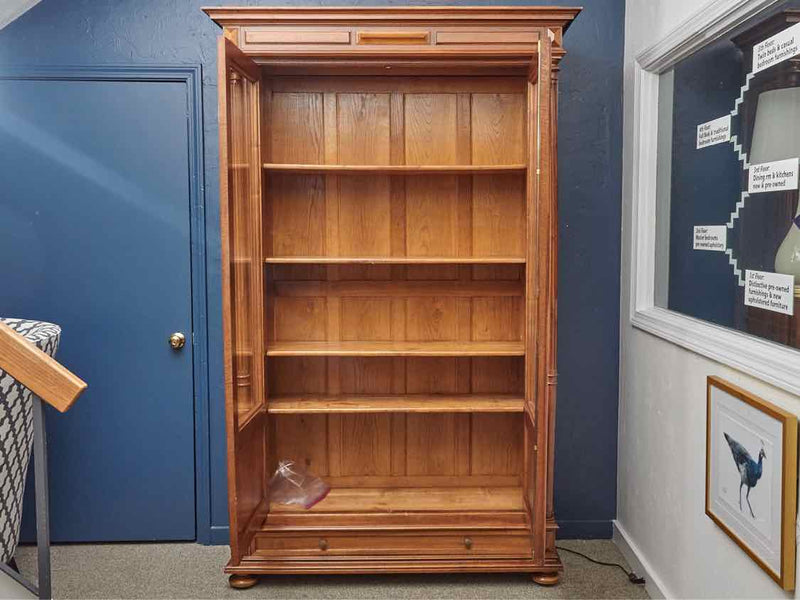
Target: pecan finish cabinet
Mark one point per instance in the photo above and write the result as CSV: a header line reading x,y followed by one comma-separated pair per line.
x,y
389,242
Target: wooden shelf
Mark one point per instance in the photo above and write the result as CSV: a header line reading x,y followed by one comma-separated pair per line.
x,y
395,260
414,499
396,349
466,403
396,169
406,521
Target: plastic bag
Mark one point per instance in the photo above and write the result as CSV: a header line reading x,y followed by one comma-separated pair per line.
x,y
292,484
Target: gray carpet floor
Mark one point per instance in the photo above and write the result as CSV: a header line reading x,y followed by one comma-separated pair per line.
x,y
194,571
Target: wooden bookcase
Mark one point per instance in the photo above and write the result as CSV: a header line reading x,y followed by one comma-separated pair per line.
x,y
389,240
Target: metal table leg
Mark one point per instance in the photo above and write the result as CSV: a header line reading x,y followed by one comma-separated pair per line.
x,y
43,590
42,497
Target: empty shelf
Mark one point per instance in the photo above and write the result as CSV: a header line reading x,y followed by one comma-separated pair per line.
x,y
396,349
396,169
310,522
394,260
465,403
414,499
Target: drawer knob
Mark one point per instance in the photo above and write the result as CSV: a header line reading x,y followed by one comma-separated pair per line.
x,y
323,544
468,543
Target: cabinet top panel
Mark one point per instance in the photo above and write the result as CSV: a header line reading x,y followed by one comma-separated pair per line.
x,y
489,36
540,16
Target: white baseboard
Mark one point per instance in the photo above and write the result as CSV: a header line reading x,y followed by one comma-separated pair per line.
x,y
654,586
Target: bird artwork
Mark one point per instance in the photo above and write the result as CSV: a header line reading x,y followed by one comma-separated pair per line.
x,y
749,470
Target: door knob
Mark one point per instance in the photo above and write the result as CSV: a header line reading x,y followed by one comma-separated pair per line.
x,y
177,340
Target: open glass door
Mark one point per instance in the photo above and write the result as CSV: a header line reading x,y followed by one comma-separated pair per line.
x,y
541,275
242,272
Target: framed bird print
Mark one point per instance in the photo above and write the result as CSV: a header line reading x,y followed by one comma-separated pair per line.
x,y
751,476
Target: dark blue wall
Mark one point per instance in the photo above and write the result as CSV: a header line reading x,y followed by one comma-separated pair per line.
x,y
706,183
135,32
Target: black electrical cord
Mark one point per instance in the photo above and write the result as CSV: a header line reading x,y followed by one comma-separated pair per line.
x,y
632,577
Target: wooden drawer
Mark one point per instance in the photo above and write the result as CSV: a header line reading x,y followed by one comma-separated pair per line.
x,y
275,545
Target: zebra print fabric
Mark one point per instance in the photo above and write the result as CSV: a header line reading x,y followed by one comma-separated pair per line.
x,y
16,433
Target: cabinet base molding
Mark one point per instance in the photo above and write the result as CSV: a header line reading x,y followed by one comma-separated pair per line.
x,y
248,569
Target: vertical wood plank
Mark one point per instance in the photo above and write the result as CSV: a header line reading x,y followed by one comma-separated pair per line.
x,y
298,214
498,129
498,215
463,423
331,156
464,183
496,444
296,128
365,215
398,183
431,215
363,126
333,429
430,129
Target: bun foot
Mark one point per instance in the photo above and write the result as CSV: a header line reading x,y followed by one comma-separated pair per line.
x,y
242,582
547,579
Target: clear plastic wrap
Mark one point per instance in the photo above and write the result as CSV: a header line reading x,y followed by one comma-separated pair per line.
x,y
292,484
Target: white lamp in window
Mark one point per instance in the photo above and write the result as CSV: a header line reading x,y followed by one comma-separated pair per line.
x,y
776,136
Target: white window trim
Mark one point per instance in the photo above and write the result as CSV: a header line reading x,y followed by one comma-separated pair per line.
x,y
771,362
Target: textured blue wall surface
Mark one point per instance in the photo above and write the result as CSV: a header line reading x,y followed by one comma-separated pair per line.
x,y
136,32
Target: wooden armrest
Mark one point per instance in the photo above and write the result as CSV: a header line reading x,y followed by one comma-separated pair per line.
x,y
38,371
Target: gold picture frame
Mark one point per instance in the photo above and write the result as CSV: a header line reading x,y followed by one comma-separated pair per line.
x,y
770,540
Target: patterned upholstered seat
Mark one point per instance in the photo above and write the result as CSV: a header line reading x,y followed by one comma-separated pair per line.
x,y
16,434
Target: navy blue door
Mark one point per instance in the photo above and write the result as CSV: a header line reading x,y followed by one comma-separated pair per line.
x,y
94,236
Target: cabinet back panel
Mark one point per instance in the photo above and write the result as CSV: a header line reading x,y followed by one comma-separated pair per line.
x,y
363,129
497,126
457,306
382,121
498,211
399,447
430,129
396,121
296,128
382,215
364,215
297,214
396,450
381,375
414,121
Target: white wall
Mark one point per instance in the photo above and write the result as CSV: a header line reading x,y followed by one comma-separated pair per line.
x,y
661,468
14,9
